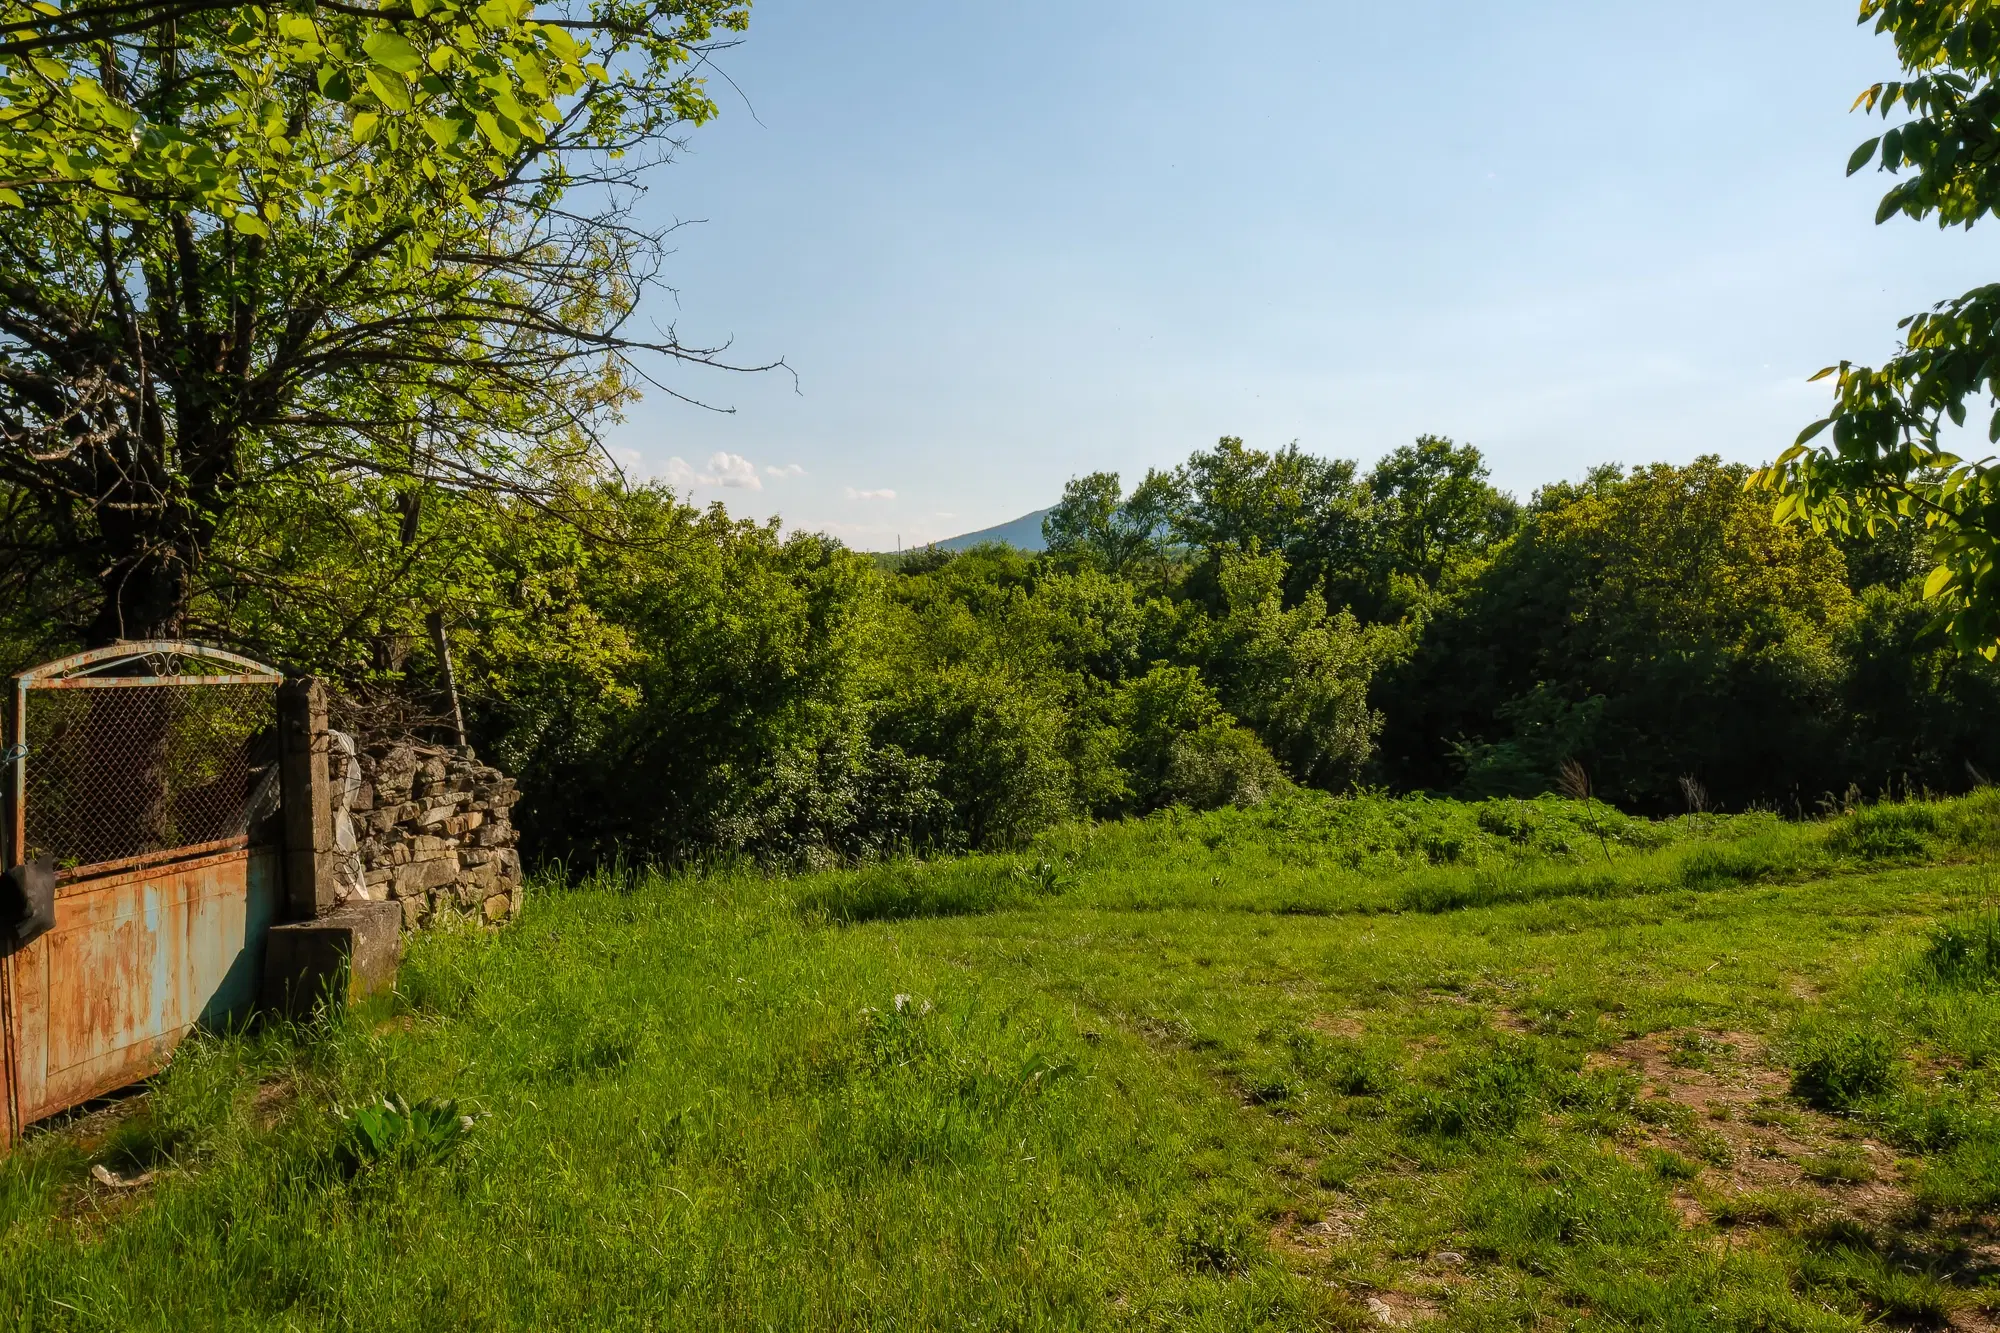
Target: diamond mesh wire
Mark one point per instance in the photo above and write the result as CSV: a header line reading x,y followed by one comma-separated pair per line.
x,y
134,771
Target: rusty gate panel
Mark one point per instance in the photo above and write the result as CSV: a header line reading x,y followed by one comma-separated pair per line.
x,y
155,795
136,960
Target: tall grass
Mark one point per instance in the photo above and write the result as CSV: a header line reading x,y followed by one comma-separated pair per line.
x,y
1308,853
1240,1070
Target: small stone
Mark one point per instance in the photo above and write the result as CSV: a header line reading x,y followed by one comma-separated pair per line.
x,y
499,907
413,913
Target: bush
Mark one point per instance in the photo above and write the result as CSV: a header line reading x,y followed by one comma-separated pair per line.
x,y
1221,765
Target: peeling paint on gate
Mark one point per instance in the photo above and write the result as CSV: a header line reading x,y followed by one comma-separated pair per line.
x,y
144,947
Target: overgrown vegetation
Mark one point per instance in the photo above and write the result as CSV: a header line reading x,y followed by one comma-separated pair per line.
x,y
1289,1066
674,686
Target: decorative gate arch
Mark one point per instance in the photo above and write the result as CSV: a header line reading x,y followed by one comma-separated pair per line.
x,y
148,773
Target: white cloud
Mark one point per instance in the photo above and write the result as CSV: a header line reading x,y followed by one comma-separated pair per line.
x,y
724,469
853,494
788,470
734,471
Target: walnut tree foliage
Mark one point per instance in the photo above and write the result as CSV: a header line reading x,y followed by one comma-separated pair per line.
x,y
1882,457
353,253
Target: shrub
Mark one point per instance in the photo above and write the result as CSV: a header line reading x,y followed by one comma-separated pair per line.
x,y
1221,765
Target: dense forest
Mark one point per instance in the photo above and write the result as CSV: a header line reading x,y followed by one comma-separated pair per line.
x,y
672,683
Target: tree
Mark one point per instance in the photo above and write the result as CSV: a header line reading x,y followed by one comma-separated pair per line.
x,y
1092,523
1887,461
312,244
1433,504
1650,626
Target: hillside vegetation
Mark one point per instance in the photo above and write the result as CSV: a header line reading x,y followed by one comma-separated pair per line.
x,y
1318,1064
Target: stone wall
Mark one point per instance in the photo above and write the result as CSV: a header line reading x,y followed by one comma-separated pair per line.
x,y
427,827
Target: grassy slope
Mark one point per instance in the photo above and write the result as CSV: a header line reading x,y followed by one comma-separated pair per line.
x,y
1253,1069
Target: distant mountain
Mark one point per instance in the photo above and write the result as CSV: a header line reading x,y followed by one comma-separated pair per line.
x,y
1024,533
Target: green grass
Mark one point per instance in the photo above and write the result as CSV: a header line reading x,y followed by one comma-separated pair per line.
x,y
1252,1069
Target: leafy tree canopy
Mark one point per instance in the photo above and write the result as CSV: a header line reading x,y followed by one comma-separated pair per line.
x,y
310,244
1883,456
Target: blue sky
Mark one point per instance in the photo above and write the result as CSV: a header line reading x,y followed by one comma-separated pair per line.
x,y
1002,245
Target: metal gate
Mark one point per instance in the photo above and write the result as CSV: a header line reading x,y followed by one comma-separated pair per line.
x,y
149,773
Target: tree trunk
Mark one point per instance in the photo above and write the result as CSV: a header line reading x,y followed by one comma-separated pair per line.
x,y
144,597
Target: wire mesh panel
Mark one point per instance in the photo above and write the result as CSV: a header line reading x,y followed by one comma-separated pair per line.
x,y
129,771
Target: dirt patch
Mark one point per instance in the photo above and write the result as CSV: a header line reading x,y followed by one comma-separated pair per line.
x,y
270,1102
1710,1098
1399,1309
1347,1025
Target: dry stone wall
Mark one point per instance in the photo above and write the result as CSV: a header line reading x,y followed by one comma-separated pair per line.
x,y
430,830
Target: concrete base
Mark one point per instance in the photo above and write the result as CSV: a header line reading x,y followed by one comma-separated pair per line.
x,y
349,954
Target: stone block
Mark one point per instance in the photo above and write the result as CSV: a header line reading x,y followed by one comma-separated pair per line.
x,y
413,912
498,908
460,825
344,956
423,876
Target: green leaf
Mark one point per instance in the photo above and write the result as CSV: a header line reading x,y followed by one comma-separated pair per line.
x,y
334,84
1862,154
1935,584
395,94
391,51
364,126
251,225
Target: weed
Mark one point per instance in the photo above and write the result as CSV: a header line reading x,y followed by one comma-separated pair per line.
x,y
1671,1166
1965,1179
1844,1164
1214,1237
1838,1068
1964,951
1697,1050
395,1133
1488,1093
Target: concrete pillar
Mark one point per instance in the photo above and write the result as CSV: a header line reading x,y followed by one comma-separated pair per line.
x,y
310,882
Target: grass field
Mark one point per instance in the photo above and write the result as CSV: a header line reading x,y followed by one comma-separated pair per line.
x,y
1321,1065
